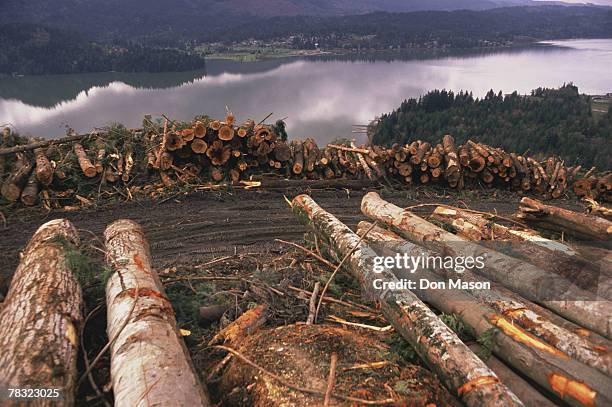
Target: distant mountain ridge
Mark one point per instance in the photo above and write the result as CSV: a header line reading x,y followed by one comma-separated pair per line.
x,y
138,19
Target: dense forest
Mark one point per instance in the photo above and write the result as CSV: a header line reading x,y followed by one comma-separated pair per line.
x,y
457,29
30,49
546,122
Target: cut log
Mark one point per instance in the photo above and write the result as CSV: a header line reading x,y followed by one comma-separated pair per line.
x,y
29,195
100,156
554,292
527,245
41,316
129,164
41,144
582,226
453,168
226,133
199,129
364,165
44,169
199,146
298,156
11,189
282,151
512,307
245,325
443,351
523,389
86,166
150,364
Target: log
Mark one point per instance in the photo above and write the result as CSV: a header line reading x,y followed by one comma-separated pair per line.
x,y
453,168
44,169
526,245
349,149
29,195
11,189
199,146
458,368
100,156
226,133
587,227
523,389
298,156
86,166
41,144
512,307
362,162
41,316
199,129
129,164
282,152
150,364
531,282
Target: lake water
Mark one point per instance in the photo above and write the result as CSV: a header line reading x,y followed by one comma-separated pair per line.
x,y
320,98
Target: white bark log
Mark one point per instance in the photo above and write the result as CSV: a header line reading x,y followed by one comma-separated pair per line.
x,y
150,364
40,318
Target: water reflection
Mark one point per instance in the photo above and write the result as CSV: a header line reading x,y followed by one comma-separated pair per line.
x,y
320,98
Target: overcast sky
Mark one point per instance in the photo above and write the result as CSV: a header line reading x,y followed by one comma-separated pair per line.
x,y
605,2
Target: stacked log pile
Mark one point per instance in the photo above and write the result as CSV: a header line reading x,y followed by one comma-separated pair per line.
x,y
566,353
81,168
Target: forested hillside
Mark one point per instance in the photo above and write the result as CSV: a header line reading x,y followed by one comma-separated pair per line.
x,y
547,122
30,49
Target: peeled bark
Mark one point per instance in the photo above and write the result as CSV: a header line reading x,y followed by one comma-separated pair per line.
x,y
514,308
150,364
86,166
44,170
443,351
525,391
11,189
41,317
583,226
523,278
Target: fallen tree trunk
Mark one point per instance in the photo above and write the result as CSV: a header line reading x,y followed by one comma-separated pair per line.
x,y
41,144
524,245
11,188
456,365
531,282
86,166
150,364
595,208
44,170
511,306
525,391
41,316
583,226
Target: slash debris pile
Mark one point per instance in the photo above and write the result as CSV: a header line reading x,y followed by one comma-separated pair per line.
x,y
165,154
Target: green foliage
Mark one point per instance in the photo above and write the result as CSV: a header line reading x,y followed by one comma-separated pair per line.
x,y
33,50
486,341
400,347
455,322
279,129
547,122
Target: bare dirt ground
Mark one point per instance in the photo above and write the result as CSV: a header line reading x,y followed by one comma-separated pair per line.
x,y
190,229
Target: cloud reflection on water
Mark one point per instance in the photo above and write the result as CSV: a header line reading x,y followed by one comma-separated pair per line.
x,y
321,98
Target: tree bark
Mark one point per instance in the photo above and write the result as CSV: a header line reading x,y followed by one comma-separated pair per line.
x,y
29,195
298,156
456,365
11,189
531,282
44,170
528,246
583,226
506,303
525,391
150,364
86,166
41,317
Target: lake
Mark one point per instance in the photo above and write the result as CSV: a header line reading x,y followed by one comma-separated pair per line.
x,y
320,98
